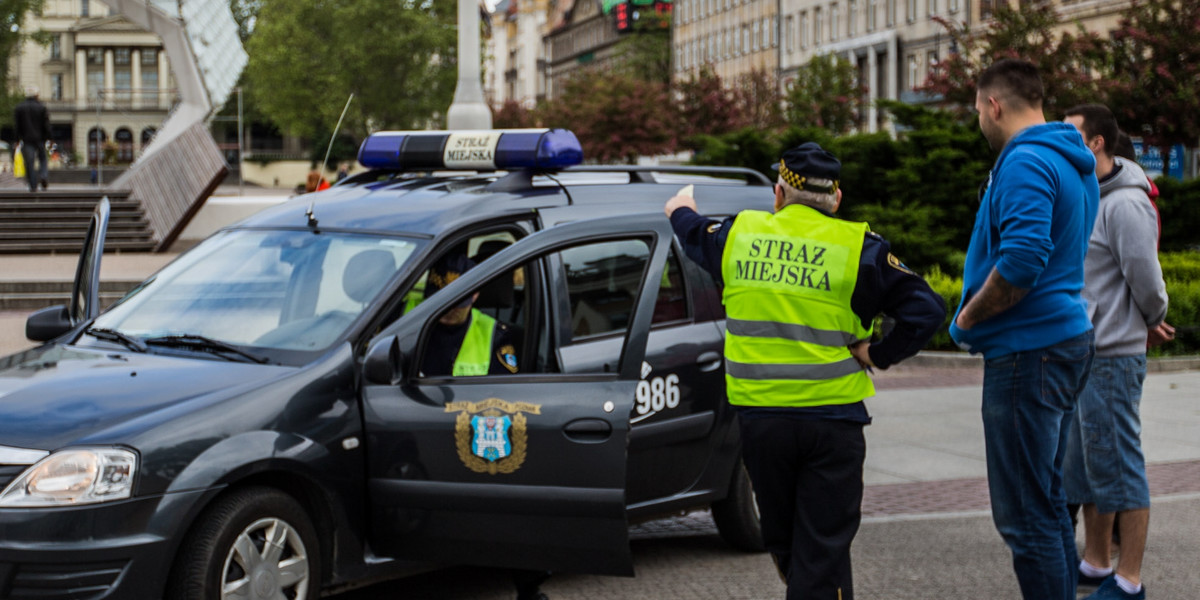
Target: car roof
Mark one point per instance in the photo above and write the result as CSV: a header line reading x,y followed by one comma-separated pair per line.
x,y
428,205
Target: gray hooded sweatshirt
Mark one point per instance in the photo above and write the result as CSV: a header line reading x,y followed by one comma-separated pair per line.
x,y
1123,282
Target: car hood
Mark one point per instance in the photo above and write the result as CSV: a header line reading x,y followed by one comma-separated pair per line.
x,y
55,395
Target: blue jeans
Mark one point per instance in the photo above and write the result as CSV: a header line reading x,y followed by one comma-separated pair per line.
x,y
1105,465
29,152
1029,400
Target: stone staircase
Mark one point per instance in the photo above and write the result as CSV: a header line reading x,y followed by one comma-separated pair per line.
x,y
56,221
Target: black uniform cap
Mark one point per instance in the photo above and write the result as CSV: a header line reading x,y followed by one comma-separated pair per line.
x,y
809,161
445,271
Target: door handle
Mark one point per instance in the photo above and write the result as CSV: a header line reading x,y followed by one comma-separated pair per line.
x,y
709,361
588,430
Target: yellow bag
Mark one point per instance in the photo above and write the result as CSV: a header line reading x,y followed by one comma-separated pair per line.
x,y
18,162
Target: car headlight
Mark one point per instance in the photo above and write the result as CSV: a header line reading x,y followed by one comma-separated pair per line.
x,y
71,477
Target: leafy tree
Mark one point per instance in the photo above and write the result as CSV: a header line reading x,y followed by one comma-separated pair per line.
x,y
1072,66
932,186
514,115
826,94
706,106
615,116
758,96
12,35
747,147
307,56
645,53
1156,79
245,13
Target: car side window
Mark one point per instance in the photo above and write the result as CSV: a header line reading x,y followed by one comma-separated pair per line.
x,y
603,281
672,302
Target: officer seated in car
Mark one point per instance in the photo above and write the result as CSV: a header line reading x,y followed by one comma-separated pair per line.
x,y
465,341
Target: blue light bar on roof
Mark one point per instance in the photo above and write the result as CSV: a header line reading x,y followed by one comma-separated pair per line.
x,y
482,150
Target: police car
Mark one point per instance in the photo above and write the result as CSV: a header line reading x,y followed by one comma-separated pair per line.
x,y
252,420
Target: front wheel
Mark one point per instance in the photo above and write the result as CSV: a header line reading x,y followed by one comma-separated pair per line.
x,y
737,515
255,544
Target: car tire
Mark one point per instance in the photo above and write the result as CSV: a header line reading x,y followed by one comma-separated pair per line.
x,y
224,551
737,515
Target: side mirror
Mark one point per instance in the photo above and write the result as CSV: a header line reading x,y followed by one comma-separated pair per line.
x,y
382,365
47,324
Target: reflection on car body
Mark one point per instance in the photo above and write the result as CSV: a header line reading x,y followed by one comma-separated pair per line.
x,y
264,386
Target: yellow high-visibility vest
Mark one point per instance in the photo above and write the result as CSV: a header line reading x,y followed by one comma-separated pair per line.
x,y
475,354
789,277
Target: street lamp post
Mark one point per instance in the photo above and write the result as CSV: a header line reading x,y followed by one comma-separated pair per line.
x,y
468,110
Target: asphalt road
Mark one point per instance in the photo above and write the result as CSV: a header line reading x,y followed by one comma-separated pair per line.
x,y
898,558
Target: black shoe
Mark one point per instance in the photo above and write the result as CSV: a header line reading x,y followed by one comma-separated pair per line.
x,y
1089,581
44,184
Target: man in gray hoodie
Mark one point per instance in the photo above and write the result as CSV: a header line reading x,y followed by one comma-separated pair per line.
x,y
1104,468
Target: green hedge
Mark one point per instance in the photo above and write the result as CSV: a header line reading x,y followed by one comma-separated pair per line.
x,y
1181,270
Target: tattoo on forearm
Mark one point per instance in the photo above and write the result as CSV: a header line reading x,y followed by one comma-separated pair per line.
x,y
996,296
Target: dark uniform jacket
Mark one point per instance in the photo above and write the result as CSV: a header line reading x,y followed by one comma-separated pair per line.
x,y
884,285
446,340
32,122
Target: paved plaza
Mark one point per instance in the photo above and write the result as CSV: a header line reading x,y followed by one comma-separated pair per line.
x,y
927,532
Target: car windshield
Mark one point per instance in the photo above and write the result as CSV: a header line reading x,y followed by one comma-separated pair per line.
x,y
282,290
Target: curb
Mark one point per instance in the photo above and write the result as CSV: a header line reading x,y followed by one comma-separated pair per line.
x,y
1162,364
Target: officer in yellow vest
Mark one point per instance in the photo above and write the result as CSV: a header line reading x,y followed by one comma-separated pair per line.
x,y
801,292
465,341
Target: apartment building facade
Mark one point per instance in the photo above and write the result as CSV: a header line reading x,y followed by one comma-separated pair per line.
x,y
895,43
732,37
515,52
101,77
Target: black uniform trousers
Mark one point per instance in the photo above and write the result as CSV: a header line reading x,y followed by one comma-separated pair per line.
x,y
808,481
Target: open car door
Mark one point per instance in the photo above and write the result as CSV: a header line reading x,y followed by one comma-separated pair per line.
x,y
49,323
85,293
523,470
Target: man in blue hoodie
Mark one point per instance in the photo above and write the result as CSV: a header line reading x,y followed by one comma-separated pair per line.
x,y
1023,311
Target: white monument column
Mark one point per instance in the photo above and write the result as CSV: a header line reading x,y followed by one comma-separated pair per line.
x,y
81,91
468,110
109,78
164,72
135,73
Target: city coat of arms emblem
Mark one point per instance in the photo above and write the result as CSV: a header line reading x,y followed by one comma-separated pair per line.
x,y
491,435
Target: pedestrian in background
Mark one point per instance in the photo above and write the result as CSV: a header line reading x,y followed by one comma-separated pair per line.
x,y
1105,469
801,292
32,123
1022,309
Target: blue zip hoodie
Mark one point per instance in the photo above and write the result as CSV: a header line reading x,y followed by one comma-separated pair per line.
x,y
1033,226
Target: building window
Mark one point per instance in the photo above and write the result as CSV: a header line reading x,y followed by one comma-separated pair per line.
x,y
932,8
85,10
817,26
149,57
985,9
953,6
871,10
95,56
745,39
835,21
931,61
56,86
851,18
775,31
803,29
891,12
789,36
912,71
56,47
910,8
121,56
95,83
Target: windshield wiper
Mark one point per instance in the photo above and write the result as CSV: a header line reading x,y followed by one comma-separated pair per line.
x,y
112,335
206,344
